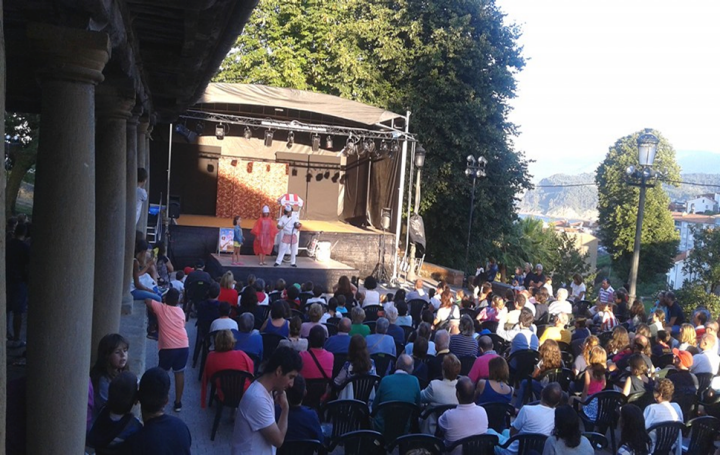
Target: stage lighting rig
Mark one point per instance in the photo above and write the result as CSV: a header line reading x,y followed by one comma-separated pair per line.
x,y
290,139
268,138
247,133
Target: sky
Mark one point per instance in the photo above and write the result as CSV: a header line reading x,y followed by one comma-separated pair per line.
x,y
597,71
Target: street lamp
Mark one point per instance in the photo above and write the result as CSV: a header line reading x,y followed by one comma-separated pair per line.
x,y
640,176
475,169
419,160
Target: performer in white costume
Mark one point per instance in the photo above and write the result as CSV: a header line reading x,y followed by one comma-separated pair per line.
x,y
288,225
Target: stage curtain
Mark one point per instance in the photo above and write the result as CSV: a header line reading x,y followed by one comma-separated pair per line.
x,y
384,183
245,186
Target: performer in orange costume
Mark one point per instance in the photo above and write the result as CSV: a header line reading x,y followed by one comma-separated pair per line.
x,y
264,232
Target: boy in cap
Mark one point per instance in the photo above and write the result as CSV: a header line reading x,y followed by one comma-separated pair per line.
x,y
288,225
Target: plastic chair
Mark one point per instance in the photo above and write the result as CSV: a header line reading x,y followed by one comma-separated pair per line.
x,y
270,342
500,344
370,324
688,404
704,380
524,364
436,412
598,441
345,416
205,344
302,447
562,376
481,444
702,434
399,418
642,399
339,360
363,386
408,331
489,325
371,312
418,441
363,442
315,390
232,384
384,363
662,361
331,328
667,435
294,312
335,321
415,308
527,443
261,314
499,415
604,337
609,403
466,364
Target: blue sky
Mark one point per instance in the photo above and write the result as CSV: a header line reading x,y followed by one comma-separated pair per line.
x,y
597,71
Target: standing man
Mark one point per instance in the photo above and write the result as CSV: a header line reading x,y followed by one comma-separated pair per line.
x,y
288,225
606,294
256,431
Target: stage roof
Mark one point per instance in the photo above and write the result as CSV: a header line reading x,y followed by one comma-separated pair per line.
x,y
287,98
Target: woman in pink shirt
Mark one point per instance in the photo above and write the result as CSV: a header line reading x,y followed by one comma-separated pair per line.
x,y
317,362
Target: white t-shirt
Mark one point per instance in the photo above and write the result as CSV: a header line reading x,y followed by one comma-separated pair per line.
x,y
256,411
577,289
664,412
533,419
223,324
140,198
372,297
179,285
705,362
463,421
560,306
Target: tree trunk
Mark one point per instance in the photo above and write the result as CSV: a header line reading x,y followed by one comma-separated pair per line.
x,y
23,162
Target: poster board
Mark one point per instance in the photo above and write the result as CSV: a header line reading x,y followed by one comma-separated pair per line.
x,y
225,240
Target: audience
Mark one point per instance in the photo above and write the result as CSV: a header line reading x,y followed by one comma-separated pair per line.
x,y
223,322
302,422
314,314
684,382
294,341
358,317
380,342
400,386
464,343
467,419
634,439
404,317
317,362
566,438
115,422
338,344
442,345
480,369
358,363
111,361
224,357
708,360
495,388
394,330
560,305
557,331
663,410
277,323
424,330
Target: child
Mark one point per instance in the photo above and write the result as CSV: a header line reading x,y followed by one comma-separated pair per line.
x,y
663,344
293,340
494,312
116,423
604,319
237,241
700,320
594,379
638,380
302,422
112,358
173,340
403,317
179,281
331,311
637,314
658,321
581,330
340,304
162,264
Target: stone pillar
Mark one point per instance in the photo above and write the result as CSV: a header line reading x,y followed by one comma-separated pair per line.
x,y
63,253
3,302
130,210
113,107
142,159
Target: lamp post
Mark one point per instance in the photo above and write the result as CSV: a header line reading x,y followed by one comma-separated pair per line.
x,y
419,160
647,148
475,169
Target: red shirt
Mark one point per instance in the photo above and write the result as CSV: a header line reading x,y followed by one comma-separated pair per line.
x,y
218,361
480,368
228,295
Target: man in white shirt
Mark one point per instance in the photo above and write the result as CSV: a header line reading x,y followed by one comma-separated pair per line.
x,y
708,360
536,418
468,419
606,294
561,305
289,226
418,292
256,432
223,322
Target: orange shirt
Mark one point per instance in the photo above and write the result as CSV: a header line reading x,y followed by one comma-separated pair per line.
x,y
171,323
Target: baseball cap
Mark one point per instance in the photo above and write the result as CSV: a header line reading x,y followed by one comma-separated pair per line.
x,y
266,209
187,270
199,264
686,359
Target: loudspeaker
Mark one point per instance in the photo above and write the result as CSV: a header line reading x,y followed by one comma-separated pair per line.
x,y
174,207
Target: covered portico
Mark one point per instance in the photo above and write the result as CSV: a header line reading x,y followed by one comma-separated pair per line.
x,y
100,74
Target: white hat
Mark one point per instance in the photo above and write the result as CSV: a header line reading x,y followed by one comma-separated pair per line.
x,y
288,208
266,209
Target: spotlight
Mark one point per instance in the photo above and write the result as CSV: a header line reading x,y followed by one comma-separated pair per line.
x,y
199,128
335,177
268,138
394,149
290,139
369,147
384,148
247,133
327,174
328,142
184,131
385,216
319,177
220,131
419,156
308,177
315,142
350,148
294,172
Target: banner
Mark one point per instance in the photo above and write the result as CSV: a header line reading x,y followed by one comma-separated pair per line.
x,y
225,240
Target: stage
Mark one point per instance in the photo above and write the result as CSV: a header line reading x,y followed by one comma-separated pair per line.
x,y
324,273
355,251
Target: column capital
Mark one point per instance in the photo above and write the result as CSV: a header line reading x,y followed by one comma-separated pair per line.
x,y
113,102
144,125
69,54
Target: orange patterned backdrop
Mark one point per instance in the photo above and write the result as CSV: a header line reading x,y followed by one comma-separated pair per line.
x,y
245,186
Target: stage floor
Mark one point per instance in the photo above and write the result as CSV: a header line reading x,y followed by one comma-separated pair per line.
x,y
306,263
307,225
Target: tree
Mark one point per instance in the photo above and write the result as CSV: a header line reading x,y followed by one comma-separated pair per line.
x,y
618,208
570,260
452,63
703,262
22,133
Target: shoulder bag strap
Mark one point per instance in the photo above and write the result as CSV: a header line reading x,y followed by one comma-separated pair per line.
x,y
322,371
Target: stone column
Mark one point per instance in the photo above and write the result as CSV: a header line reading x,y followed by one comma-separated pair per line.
x,y
3,302
130,210
113,106
63,253
142,158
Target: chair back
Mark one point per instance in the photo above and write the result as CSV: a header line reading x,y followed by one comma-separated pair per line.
x,y
704,380
408,331
370,324
384,363
703,431
666,435
363,386
331,328
261,314
489,325
524,364
481,444
270,343
568,359
371,312
597,440
197,291
470,312
363,442
688,404
500,344
399,418
335,321
581,308
661,361
499,414
339,360
540,329
564,346
345,416
416,307
304,297
302,447
642,399
433,445
562,376
528,443
232,384
315,389
466,364
294,312
274,296
604,337
608,407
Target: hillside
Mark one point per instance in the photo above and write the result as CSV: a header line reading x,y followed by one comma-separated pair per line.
x,y
580,202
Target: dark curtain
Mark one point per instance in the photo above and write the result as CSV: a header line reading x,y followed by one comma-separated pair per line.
x,y
384,187
356,184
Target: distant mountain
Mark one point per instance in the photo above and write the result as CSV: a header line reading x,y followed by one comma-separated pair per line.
x,y
695,162
580,202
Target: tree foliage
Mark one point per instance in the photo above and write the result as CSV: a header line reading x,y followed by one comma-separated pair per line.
x,y
703,262
21,133
618,209
452,63
694,295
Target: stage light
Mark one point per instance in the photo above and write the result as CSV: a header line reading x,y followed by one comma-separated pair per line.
x,y
290,139
319,177
220,132
247,133
335,177
385,216
268,138
328,142
350,148
394,149
327,174
199,128
294,172
184,131
384,148
315,142
308,177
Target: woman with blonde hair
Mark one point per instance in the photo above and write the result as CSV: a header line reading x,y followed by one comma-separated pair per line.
x,y
687,337
228,293
582,361
224,357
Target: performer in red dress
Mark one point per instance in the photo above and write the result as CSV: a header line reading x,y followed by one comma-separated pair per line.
x,y
264,232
